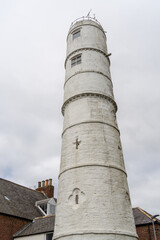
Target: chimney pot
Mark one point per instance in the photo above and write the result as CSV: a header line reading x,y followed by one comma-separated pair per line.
x,y
39,184
43,183
50,182
46,182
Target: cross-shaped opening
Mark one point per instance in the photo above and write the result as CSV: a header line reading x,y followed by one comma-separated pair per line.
x,y
77,142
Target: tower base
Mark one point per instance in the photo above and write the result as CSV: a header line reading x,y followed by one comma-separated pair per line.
x,y
86,235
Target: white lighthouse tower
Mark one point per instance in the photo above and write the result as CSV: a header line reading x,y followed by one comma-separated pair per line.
x,y
93,196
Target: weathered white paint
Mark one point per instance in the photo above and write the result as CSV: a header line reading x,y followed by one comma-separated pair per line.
x,y
93,196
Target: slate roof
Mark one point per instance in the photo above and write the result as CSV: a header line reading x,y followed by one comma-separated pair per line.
x,y
19,201
39,225
46,223
142,217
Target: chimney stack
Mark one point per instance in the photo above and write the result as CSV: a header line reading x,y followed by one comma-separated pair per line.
x,y
43,183
50,181
46,187
46,182
39,184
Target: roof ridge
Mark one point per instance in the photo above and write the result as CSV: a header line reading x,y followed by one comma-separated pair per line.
x,y
21,185
144,212
148,214
51,215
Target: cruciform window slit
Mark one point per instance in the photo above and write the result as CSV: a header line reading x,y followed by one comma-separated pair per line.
x,y
77,142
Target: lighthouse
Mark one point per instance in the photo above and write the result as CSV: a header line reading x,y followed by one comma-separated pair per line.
x,y
93,196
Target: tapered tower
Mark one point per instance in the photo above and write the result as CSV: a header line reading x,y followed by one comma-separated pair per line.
x,y
93,196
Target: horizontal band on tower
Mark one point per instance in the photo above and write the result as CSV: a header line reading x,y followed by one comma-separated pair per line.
x,y
88,71
88,49
86,122
89,94
93,165
84,232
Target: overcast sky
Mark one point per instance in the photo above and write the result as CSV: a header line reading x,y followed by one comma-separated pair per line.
x,y
32,53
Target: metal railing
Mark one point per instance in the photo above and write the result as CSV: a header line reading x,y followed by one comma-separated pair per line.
x,y
86,18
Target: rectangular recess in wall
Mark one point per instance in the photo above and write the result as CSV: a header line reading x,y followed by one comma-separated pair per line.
x,y
76,60
76,34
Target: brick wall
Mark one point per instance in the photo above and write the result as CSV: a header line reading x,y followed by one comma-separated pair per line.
x,y
48,190
46,187
10,225
145,232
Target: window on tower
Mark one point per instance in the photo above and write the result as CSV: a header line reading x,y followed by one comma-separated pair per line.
x,y
76,60
76,34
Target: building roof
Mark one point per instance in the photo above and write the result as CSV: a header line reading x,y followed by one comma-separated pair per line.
x,y
39,225
19,201
142,217
46,223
